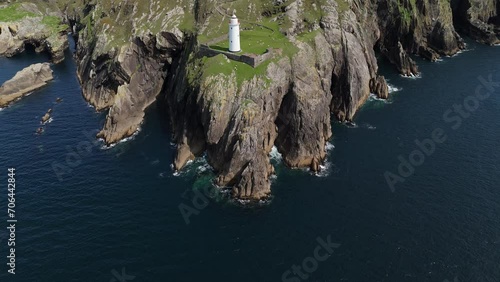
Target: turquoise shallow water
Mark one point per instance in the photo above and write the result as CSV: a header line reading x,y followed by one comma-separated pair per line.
x,y
117,211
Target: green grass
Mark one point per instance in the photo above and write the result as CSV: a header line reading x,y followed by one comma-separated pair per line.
x,y
221,65
257,39
13,13
343,6
254,41
308,37
55,24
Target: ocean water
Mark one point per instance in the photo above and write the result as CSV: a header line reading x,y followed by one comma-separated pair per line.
x,y
114,214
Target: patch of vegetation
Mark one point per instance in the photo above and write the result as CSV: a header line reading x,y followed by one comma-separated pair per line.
x,y
343,6
256,40
54,24
220,64
313,12
13,13
308,37
405,15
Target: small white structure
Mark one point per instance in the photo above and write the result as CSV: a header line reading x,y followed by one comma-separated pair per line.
x,y
234,34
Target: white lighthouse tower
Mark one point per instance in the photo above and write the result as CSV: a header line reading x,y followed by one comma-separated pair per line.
x,y
234,34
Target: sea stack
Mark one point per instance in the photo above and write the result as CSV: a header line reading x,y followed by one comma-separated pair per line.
x,y
24,82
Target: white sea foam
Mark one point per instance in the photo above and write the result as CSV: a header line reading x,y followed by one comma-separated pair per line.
x,y
393,88
350,124
132,137
48,121
324,169
369,126
460,52
243,202
329,147
192,167
1,109
374,97
204,166
275,154
412,76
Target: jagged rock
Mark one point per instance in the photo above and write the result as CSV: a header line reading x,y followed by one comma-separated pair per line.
x,y
236,120
378,86
32,30
46,117
24,82
304,119
420,27
144,83
480,19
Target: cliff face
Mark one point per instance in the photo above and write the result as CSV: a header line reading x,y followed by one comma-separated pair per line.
x,y
333,69
124,53
423,27
131,54
480,19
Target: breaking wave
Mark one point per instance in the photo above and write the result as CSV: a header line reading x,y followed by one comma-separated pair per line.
x,y
393,88
412,76
275,154
48,121
132,137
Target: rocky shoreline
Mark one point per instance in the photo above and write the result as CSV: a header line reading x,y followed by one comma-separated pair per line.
x,y
234,114
24,82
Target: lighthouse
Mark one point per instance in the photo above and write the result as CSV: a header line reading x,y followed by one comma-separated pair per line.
x,y
234,34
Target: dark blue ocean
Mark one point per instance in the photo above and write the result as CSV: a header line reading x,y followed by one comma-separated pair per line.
x,y
113,214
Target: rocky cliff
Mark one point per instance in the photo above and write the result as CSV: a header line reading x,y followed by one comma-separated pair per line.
x,y
480,19
131,54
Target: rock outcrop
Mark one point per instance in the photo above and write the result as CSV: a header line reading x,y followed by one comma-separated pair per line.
x,y
416,27
25,82
46,117
480,19
125,78
28,25
131,55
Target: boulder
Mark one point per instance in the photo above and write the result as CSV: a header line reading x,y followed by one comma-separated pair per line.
x,y
46,117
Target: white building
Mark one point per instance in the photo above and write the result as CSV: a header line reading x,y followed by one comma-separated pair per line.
x,y
234,34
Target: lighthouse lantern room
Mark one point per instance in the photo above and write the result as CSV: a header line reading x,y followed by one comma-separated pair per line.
x,y
234,34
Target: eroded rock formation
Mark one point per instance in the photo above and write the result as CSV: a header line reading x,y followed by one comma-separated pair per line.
x,y
40,29
130,55
25,82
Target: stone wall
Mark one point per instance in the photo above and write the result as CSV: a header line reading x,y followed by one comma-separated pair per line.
x,y
249,59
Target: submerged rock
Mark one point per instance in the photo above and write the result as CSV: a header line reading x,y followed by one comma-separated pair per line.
x,y
24,82
46,117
